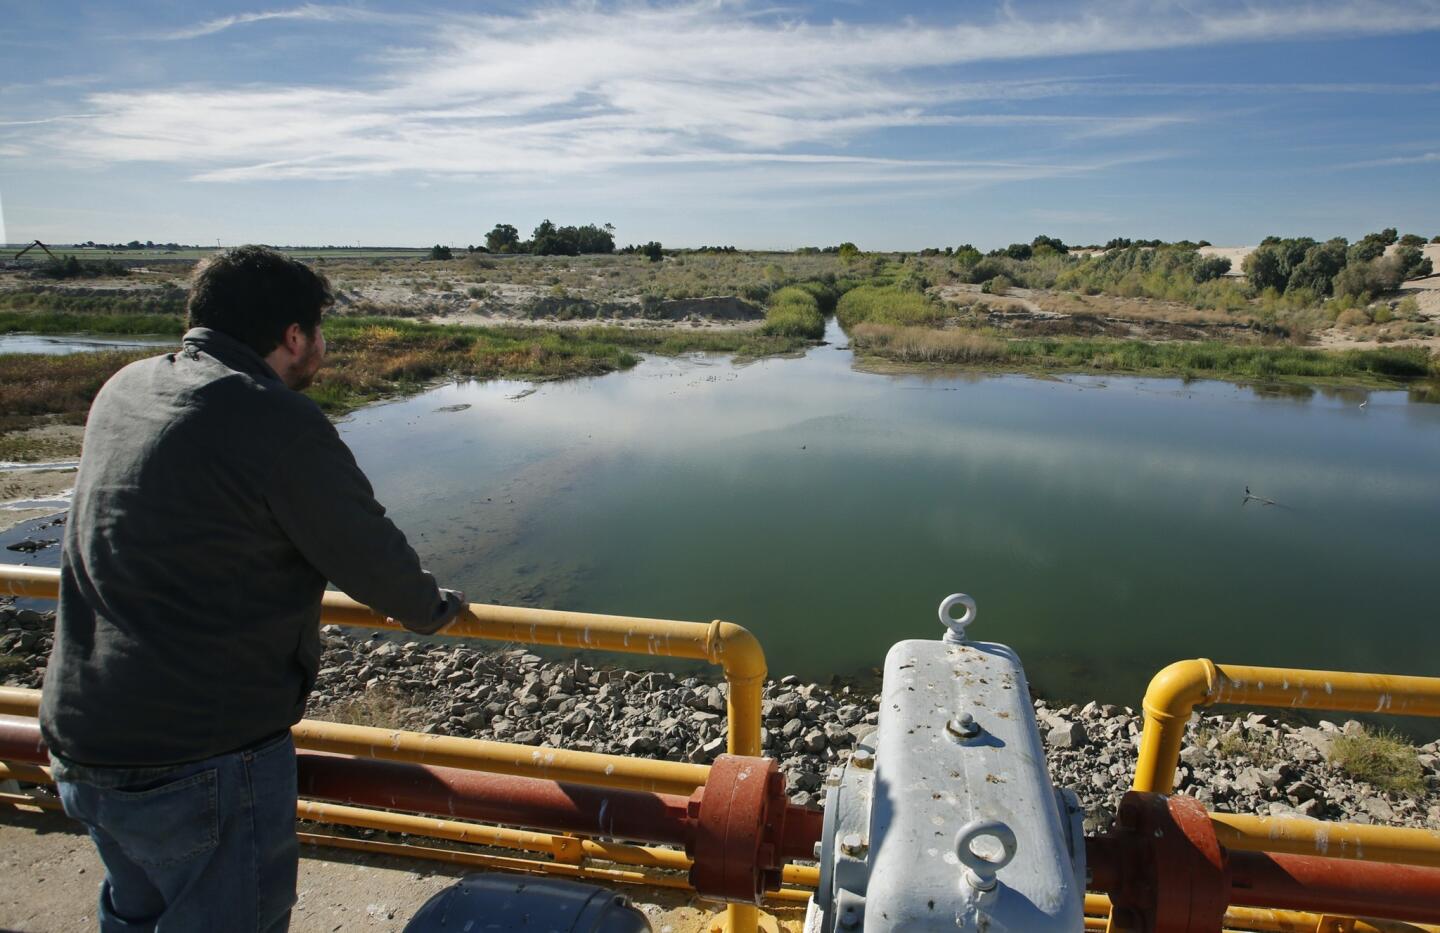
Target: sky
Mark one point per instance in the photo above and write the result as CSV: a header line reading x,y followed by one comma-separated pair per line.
x,y
766,126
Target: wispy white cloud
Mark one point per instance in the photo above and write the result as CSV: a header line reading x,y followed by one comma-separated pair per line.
x,y
59,118
310,11
579,89
1424,158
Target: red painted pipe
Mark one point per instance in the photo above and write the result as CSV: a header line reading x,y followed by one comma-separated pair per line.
x,y
1166,872
20,741
495,798
1330,885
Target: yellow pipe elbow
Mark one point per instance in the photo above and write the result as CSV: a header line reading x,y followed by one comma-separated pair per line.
x,y
1178,688
739,654
737,651
1173,693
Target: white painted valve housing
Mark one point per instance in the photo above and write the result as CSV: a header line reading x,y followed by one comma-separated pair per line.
x,y
944,818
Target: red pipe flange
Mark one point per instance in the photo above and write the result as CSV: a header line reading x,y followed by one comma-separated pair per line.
x,y
743,829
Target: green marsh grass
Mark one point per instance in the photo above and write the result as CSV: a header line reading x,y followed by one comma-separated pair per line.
x,y
368,358
161,301
67,322
1189,358
794,312
882,304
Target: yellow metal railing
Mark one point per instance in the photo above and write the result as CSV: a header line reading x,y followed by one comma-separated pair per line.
x,y
1175,692
1097,912
1392,844
733,648
1178,689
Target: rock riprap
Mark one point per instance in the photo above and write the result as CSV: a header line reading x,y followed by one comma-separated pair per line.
x,y
1246,763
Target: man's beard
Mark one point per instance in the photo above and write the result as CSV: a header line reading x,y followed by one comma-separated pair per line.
x,y
302,375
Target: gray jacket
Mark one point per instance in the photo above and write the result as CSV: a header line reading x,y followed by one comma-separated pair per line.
x,y
211,505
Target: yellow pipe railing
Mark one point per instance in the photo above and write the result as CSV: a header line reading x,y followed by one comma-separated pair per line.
x,y
556,764
1175,692
1260,920
1333,840
730,646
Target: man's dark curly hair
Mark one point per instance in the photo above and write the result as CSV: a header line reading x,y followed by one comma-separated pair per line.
x,y
254,293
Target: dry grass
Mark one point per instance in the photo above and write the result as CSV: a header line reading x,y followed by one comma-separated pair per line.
x,y
1261,751
1134,309
1382,759
34,384
925,345
381,706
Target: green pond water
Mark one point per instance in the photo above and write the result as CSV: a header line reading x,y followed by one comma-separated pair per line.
x,y
1099,522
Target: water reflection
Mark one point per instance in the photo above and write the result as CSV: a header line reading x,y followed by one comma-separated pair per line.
x,y
61,346
1098,520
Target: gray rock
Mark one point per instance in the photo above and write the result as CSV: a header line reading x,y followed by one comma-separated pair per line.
x,y
1069,735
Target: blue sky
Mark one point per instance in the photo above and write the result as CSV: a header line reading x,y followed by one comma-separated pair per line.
x,y
894,125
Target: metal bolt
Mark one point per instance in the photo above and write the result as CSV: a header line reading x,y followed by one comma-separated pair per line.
x,y
820,848
862,759
851,919
963,727
833,776
852,844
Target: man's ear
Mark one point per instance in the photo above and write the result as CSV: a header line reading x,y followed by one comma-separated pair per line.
x,y
295,339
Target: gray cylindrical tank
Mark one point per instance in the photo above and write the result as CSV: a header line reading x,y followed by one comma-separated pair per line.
x,y
486,902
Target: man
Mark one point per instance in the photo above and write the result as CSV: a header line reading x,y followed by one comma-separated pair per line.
x,y
213,502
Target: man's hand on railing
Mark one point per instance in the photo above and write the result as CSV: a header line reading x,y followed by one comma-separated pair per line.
x,y
452,603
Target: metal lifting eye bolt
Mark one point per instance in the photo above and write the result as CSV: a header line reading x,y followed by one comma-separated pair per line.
x,y
956,627
981,870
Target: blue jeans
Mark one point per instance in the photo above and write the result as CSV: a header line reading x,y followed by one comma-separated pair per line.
x,y
204,846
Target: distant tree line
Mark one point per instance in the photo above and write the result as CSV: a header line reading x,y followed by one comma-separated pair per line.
x,y
549,240
652,251
133,244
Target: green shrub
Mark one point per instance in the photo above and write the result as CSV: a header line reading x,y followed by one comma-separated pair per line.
x,y
72,268
1000,285
1168,273
887,305
826,294
1383,759
794,312
966,256
1413,263
1366,280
